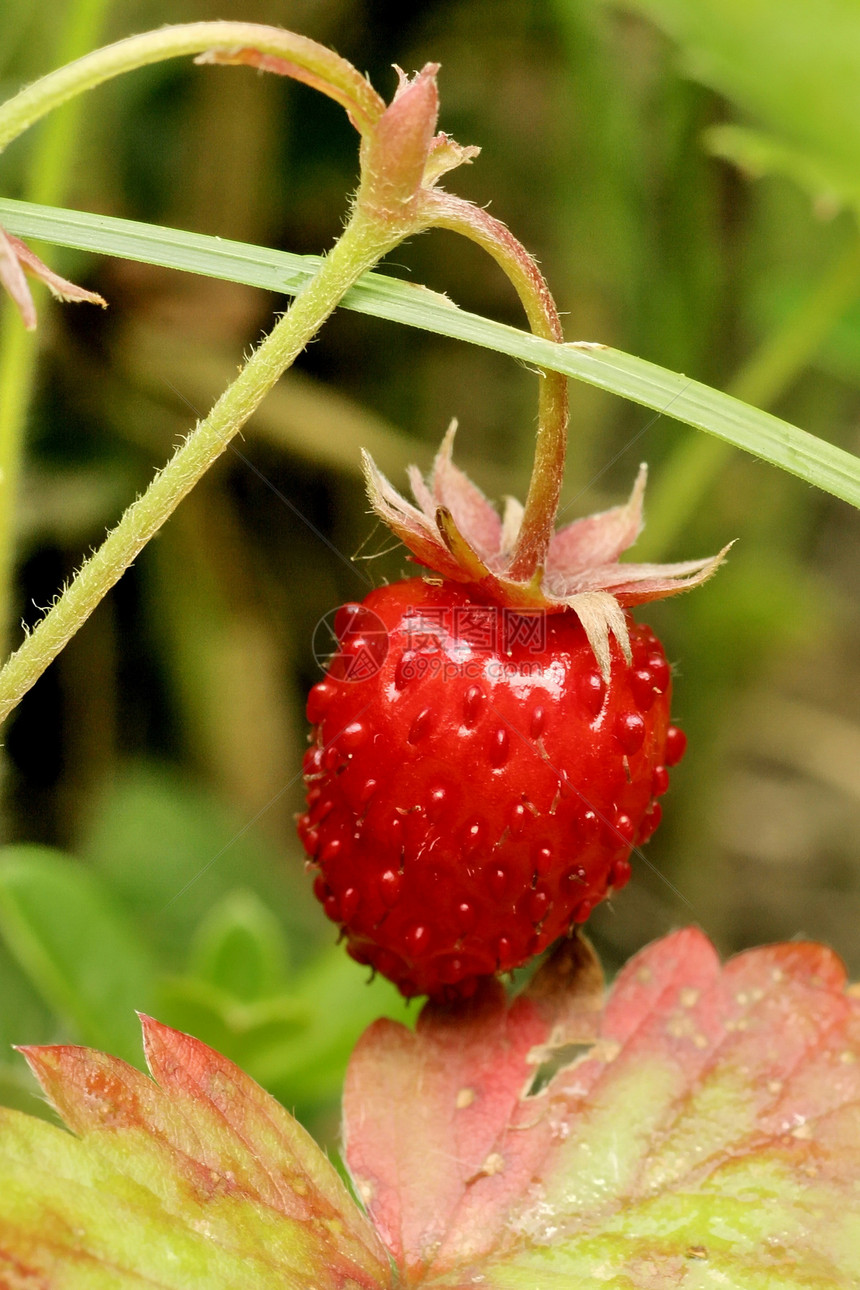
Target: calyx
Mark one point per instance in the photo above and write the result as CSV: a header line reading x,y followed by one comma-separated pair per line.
x,y
453,529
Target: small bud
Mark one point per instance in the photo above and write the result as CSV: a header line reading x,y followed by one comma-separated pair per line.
x,y
396,154
13,281
15,257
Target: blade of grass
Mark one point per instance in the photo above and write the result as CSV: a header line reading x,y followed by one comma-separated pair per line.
x,y
696,463
49,168
765,436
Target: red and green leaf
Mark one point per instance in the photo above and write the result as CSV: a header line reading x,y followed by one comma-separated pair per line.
x,y
698,1128
707,1134
199,1179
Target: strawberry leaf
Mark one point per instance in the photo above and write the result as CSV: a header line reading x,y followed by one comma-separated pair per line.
x,y
701,1127
707,1134
199,1179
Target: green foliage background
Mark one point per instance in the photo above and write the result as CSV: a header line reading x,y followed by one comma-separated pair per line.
x,y
152,775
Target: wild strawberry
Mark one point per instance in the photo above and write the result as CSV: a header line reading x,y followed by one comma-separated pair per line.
x,y
487,752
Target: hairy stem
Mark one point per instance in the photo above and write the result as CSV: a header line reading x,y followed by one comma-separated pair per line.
x,y
292,54
363,243
448,211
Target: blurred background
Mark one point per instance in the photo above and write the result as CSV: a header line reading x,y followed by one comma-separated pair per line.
x,y
687,172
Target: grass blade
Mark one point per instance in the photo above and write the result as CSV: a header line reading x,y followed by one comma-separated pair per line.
x,y
765,436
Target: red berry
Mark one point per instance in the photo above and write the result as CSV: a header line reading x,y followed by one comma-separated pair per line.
x,y
488,744
480,791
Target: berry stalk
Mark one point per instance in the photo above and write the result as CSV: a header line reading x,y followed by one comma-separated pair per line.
x,y
452,212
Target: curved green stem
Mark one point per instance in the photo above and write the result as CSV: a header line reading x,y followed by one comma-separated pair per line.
x,y
363,243
694,465
460,216
289,53
392,203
